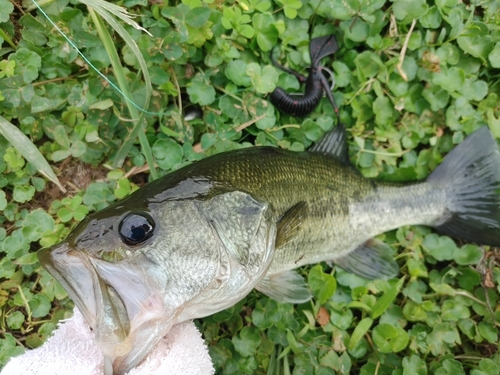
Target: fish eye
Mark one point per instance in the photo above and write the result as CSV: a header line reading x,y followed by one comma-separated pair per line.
x,y
135,228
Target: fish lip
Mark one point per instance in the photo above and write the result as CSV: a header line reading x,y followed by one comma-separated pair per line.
x,y
91,294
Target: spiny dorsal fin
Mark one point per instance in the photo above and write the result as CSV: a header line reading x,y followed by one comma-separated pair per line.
x,y
372,260
334,144
285,287
290,223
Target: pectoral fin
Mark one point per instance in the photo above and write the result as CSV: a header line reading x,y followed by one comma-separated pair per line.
x,y
290,223
286,286
371,260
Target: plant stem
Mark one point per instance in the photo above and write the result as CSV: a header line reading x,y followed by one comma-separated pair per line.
x,y
26,304
139,121
5,37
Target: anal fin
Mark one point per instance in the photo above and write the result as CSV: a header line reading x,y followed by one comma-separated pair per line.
x,y
285,287
372,260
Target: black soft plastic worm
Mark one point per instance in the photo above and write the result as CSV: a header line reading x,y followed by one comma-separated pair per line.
x,y
316,82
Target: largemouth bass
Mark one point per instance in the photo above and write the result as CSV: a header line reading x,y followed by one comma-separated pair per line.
x,y
201,238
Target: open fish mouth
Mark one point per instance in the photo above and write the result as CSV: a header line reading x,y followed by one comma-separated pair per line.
x,y
120,301
98,301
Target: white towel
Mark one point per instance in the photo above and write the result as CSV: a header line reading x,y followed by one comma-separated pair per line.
x,y
71,350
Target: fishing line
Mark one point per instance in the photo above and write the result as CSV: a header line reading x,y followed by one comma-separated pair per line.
x,y
131,101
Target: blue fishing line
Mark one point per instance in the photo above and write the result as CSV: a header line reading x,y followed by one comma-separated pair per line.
x,y
93,67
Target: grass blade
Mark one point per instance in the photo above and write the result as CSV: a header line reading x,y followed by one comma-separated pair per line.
x,y
103,7
107,11
139,121
28,150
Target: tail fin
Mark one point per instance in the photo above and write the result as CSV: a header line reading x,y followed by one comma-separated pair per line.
x,y
470,175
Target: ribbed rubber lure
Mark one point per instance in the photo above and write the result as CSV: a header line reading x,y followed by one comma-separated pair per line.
x,y
315,82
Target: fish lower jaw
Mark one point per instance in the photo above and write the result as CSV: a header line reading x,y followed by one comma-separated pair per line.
x,y
152,310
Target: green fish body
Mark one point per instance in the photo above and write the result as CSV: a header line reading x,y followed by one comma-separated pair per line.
x,y
199,239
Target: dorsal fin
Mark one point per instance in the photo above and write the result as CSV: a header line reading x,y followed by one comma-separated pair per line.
x,y
334,144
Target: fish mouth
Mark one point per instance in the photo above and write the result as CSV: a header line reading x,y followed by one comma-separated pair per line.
x,y
98,301
120,301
